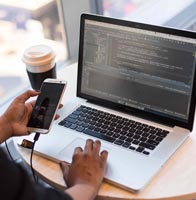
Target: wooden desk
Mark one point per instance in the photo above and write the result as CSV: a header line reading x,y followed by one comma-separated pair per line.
x,y
176,180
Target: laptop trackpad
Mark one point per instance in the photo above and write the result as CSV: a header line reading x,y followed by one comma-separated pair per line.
x,y
68,151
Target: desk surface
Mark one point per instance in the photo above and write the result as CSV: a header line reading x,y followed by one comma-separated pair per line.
x,y
176,180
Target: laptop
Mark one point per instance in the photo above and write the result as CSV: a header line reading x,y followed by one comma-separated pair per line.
x,y
135,93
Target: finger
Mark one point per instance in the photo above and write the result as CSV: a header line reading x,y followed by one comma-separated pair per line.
x,y
77,154
96,147
89,146
77,150
64,166
56,117
32,103
26,95
104,156
65,169
60,106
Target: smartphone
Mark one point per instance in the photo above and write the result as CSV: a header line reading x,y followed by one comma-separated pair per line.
x,y
46,105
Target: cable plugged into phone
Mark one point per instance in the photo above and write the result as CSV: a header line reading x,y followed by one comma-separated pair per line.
x,y
44,112
35,139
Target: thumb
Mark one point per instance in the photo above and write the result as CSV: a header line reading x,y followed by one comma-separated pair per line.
x,y
65,169
26,95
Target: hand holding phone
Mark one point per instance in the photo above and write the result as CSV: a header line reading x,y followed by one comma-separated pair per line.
x,y
46,105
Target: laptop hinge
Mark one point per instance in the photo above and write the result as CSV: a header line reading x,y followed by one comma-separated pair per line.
x,y
181,130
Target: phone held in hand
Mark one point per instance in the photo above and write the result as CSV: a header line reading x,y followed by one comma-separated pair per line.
x,y
46,106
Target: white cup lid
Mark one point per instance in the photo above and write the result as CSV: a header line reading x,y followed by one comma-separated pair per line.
x,y
38,55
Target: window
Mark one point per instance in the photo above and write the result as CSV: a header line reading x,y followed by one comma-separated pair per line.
x,y
23,24
176,13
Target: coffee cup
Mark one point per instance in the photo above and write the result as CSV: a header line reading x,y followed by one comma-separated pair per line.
x,y
40,64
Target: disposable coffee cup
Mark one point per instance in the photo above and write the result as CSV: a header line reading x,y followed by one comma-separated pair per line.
x,y
40,64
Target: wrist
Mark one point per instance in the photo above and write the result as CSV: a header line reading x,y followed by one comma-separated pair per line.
x,y
88,191
5,129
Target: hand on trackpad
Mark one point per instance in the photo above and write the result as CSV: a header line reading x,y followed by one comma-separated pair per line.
x,y
68,151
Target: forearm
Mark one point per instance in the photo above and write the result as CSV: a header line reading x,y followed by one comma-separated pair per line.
x,y
5,129
82,192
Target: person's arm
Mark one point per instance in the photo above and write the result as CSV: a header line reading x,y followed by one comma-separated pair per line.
x,y
13,122
16,184
14,180
82,192
84,176
5,131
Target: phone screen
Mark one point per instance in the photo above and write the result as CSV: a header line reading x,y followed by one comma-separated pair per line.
x,y
46,105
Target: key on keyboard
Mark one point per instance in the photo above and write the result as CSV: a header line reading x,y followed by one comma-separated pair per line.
x,y
121,131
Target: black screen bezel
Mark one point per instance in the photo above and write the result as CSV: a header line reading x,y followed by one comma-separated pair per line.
x,y
133,111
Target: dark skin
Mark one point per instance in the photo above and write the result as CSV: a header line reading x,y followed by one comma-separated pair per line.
x,y
87,168
15,118
84,175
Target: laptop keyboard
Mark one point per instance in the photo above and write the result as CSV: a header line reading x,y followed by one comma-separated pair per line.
x,y
121,131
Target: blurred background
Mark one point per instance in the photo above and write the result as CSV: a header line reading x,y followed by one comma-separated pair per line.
x,y
29,22
22,24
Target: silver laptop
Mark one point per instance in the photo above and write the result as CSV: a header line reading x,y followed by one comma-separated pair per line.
x,y
135,92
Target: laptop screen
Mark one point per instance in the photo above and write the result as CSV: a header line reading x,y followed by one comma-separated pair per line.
x,y
139,67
